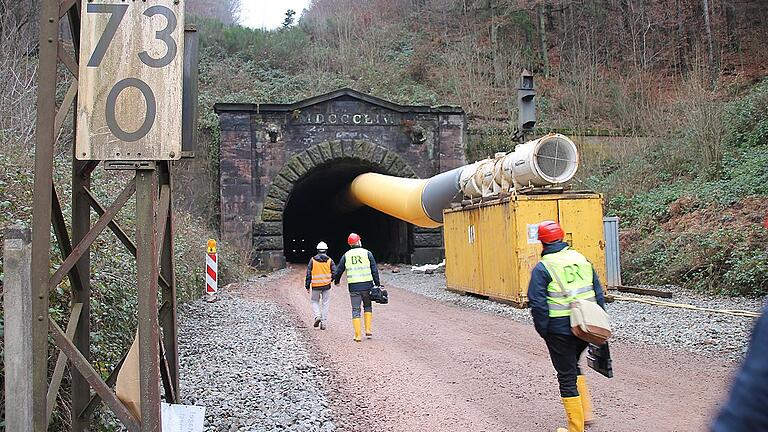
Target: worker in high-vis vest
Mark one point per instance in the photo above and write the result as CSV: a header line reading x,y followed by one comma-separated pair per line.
x,y
550,308
362,275
319,276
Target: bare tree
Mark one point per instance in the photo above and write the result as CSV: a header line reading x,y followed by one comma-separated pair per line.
x,y
543,40
18,67
710,45
682,42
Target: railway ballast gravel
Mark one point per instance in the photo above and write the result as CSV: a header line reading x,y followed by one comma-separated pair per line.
x,y
247,364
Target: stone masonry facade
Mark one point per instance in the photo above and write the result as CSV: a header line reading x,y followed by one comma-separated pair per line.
x,y
266,149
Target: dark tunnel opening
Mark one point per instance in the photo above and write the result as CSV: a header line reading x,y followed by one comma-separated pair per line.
x,y
312,214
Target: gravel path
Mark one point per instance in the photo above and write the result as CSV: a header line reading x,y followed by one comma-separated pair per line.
x,y
715,335
245,361
434,366
458,363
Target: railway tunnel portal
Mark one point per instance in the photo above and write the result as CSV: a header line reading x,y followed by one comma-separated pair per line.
x,y
284,169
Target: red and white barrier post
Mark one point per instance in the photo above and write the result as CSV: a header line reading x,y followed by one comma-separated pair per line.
x,y
211,271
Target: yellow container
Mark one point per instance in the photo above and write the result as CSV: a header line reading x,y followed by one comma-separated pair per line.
x,y
491,248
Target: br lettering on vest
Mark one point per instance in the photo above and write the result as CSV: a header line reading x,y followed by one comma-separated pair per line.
x,y
571,273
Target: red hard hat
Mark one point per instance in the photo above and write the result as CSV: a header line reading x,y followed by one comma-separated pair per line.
x,y
352,239
550,232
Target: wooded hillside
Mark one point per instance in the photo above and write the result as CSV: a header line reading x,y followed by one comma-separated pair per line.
x,y
676,78
601,62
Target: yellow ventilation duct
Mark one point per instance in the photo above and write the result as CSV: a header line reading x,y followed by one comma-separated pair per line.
x,y
551,159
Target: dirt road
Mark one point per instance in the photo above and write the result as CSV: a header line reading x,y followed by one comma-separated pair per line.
x,y
432,366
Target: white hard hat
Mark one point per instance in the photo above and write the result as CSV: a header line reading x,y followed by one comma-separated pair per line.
x,y
322,246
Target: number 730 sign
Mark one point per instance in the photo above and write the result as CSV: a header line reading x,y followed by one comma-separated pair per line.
x,y
130,80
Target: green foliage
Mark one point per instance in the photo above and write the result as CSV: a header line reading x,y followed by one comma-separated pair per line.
x,y
486,142
228,40
748,120
725,261
646,209
693,228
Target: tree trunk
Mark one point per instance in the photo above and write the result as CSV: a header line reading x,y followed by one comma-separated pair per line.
x,y
543,41
731,24
625,20
710,45
498,69
682,43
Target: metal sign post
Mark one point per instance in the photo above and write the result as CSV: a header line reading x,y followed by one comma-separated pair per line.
x,y
127,90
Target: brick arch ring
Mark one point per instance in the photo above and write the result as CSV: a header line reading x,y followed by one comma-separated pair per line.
x,y
300,164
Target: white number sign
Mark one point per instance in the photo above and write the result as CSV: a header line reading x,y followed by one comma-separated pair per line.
x,y
130,88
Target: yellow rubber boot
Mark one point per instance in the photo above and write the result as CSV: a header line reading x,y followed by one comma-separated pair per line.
x,y
368,317
586,400
356,326
574,413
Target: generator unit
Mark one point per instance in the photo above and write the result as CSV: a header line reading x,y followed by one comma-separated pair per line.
x,y
492,246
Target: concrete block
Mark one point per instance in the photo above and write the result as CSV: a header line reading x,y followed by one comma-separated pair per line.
x,y
268,228
278,193
428,240
282,183
271,215
268,242
273,203
295,164
269,260
305,161
325,150
315,155
17,309
336,149
422,256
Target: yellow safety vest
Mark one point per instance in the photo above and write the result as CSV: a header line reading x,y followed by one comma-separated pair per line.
x,y
321,273
575,273
358,265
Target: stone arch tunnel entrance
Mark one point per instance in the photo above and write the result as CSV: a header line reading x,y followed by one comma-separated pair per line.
x,y
282,168
316,212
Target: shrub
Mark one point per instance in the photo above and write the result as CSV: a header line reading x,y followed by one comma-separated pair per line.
x,y
722,246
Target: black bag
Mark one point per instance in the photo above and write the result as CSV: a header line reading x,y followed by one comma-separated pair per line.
x,y
379,295
599,359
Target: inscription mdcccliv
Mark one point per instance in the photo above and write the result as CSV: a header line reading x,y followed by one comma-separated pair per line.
x,y
357,118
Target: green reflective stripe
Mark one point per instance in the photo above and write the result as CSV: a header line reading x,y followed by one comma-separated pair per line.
x,y
559,314
565,301
358,266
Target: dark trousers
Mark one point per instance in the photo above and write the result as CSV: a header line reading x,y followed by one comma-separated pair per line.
x,y
357,297
565,352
